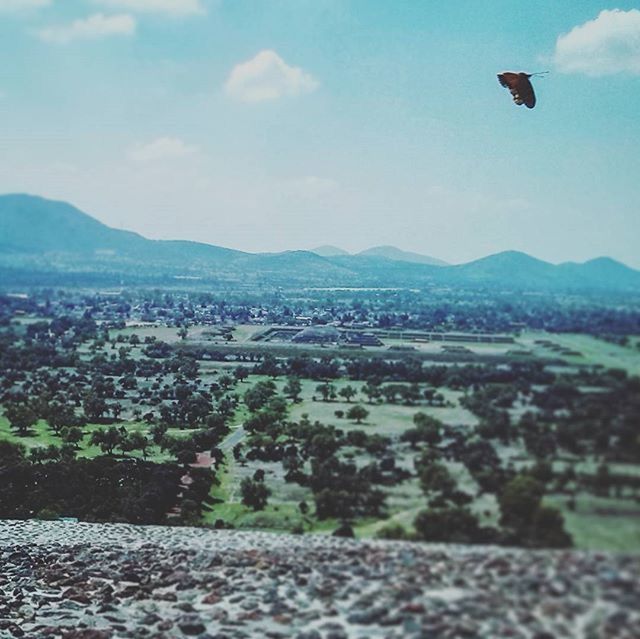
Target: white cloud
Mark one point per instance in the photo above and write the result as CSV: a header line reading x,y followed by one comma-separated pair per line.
x,y
173,8
165,148
267,77
90,28
604,46
23,5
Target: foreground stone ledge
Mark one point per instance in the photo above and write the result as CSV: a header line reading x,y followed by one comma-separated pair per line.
x,y
100,581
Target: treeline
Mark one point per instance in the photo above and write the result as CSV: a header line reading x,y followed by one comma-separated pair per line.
x,y
381,369
603,421
480,311
101,489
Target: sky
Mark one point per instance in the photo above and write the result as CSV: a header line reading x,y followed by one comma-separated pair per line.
x,y
269,125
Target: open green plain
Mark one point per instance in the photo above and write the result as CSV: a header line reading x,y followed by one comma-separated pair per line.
x,y
595,523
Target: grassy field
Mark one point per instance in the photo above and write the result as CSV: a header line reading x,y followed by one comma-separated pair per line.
x,y
392,420
41,436
593,350
164,333
589,524
436,347
244,332
196,334
602,523
384,419
281,514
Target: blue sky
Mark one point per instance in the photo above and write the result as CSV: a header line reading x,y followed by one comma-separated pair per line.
x,y
268,125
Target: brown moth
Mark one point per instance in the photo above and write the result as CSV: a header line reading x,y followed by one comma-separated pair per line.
x,y
520,87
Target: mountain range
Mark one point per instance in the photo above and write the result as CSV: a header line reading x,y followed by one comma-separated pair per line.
x,y
388,252
44,241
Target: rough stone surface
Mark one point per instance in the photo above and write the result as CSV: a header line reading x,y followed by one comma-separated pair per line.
x,y
97,581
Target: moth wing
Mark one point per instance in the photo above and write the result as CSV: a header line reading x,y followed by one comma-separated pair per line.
x,y
520,88
525,91
508,79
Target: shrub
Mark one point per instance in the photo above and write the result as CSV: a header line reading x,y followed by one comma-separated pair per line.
x,y
393,531
47,514
344,530
450,525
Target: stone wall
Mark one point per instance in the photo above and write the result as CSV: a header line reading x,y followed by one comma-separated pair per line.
x,y
96,581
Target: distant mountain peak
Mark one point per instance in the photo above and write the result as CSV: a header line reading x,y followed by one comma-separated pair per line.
x,y
510,256
328,250
31,224
604,260
394,253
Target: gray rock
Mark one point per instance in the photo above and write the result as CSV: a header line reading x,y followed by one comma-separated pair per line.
x,y
191,625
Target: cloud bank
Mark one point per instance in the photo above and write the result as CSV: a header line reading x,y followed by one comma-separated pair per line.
x,y
607,45
22,5
91,28
165,148
267,77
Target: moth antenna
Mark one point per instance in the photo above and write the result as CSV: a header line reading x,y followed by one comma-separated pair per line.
x,y
539,74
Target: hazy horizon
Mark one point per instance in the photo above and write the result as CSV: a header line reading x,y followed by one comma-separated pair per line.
x,y
289,125
318,247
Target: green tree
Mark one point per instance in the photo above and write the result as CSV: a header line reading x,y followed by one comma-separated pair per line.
x,y
323,445
448,525
72,435
129,382
410,393
107,440
548,529
436,480
137,441
185,456
38,455
11,454
429,428
255,494
358,413
526,520
292,389
412,436
226,381
328,391
60,415
158,432
519,501
116,409
258,395
371,391
347,392
241,373
277,405
429,394
602,480
390,391
94,406
21,417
